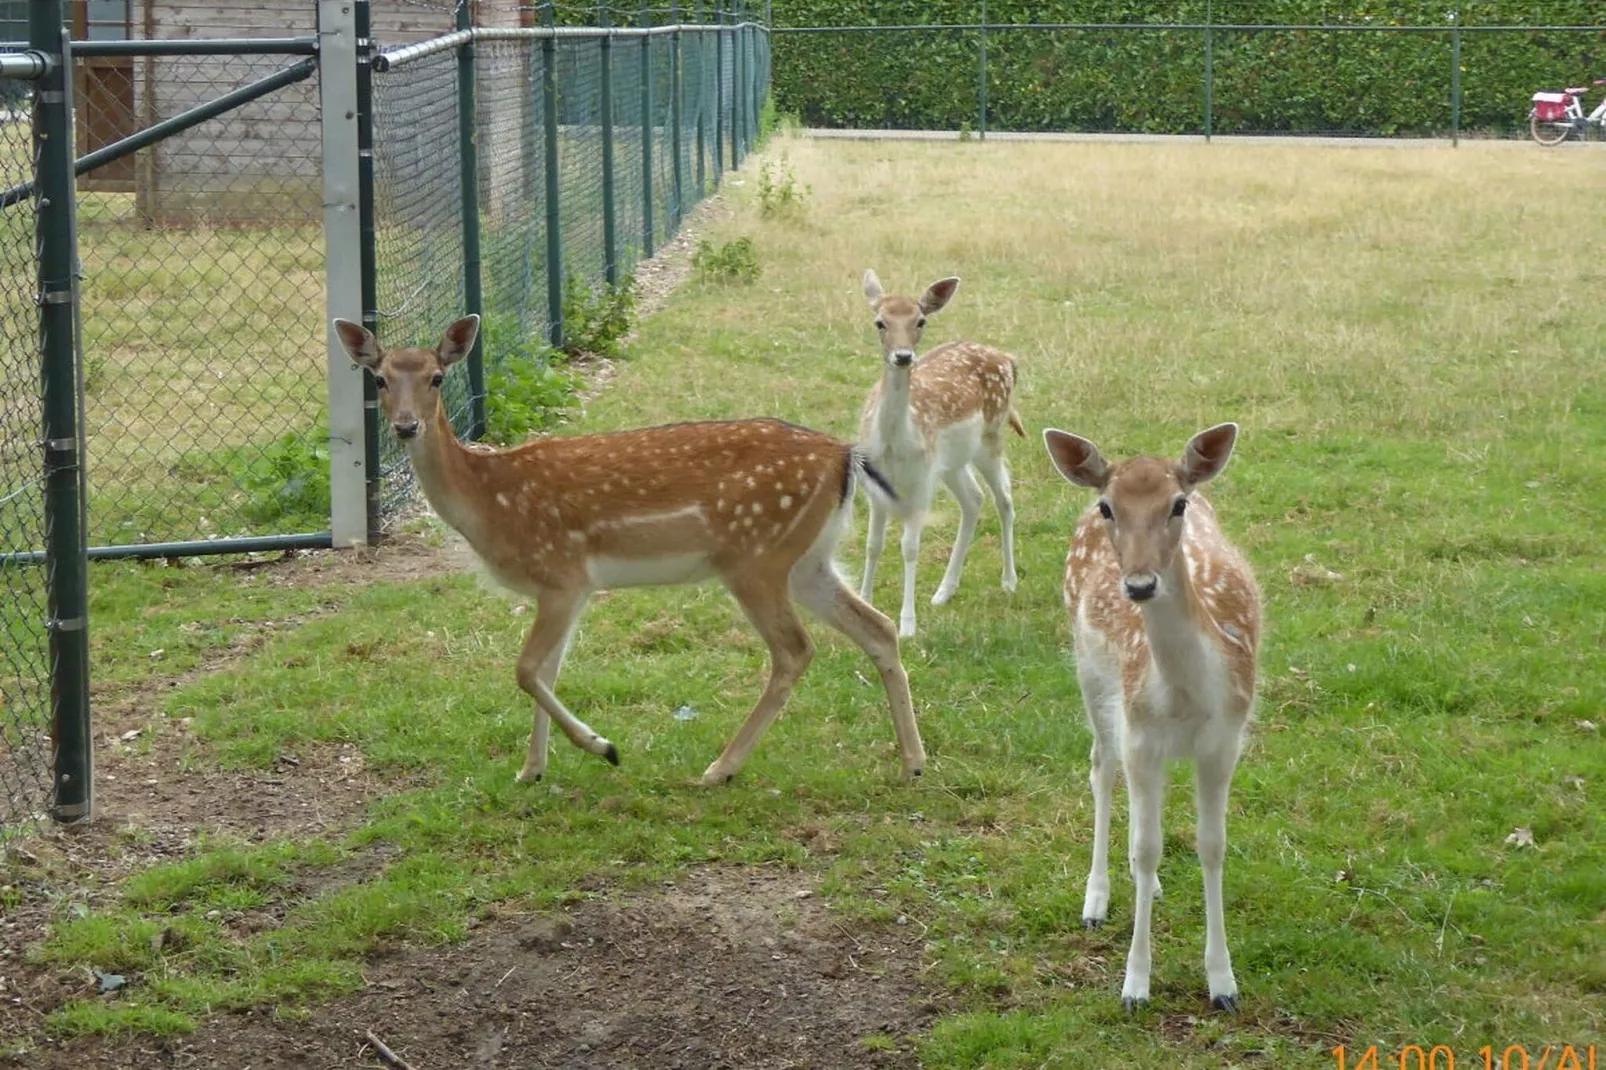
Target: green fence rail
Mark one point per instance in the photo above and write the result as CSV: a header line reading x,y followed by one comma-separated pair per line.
x,y
514,167
1207,75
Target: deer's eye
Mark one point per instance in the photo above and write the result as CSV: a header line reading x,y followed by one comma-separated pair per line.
x,y
379,381
921,322
880,325
435,380
1179,507
1105,511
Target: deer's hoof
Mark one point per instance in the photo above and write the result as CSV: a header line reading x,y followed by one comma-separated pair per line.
x,y
1092,923
612,754
1225,1003
1132,1004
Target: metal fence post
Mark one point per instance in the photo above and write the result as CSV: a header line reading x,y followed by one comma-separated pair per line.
x,y
66,556
610,219
349,520
469,172
362,12
738,90
702,109
676,91
1209,72
1455,80
719,92
646,131
554,232
981,82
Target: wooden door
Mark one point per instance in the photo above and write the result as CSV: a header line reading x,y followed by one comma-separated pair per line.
x,y
104,91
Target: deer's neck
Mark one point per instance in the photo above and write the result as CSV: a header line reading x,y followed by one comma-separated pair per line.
x,y
1177,629
445,475
892,422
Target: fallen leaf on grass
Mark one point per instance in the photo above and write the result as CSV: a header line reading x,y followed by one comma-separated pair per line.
x,y
1311,573
1587,726
1521,837
110,982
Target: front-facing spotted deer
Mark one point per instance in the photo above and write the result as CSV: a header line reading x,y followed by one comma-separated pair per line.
x,y
760,504
1166,619
939,417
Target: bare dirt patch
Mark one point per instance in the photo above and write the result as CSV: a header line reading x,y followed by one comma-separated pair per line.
x,y
725,968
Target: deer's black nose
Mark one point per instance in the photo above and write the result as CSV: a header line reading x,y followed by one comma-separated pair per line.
x,y
1142,588
406,430
903,357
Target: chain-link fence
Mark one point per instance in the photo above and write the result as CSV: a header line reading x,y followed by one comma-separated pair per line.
x,y
515,168
25,746
1244,67
202,259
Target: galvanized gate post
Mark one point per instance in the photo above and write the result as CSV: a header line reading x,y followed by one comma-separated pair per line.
x,y
362,11
981,78
342,236
66,557
1209,72
554,235
468,155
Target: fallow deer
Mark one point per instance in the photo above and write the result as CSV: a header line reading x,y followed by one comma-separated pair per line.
x,y
1166,621
940,417
759,504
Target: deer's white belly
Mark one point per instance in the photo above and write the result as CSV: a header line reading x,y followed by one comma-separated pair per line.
x,y
608,572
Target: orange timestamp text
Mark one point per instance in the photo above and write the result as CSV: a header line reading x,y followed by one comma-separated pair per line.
x,y
1488,1057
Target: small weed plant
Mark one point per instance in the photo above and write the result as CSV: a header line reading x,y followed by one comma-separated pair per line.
x,y
528,385
780,195
286,482
596,318
735,261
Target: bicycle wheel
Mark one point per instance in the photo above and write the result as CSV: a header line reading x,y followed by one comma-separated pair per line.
x,y
1547,132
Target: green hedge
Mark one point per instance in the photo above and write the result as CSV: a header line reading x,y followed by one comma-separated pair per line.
x,y
1265,81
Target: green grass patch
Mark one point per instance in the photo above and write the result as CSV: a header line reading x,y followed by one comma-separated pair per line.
x,y
1423,416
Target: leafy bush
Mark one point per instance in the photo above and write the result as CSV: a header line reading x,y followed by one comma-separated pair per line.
x,y
596,318
733,262
528,385
285,482
1265,81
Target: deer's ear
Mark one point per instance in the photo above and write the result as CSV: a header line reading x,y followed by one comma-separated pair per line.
x,y
1077,459
938,293
872,288
359,343
1207,454
458,340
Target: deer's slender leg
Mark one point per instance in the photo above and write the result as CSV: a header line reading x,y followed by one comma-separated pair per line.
x,y
1145,785
555,619
1213,776
911,566
874,541
536,759
822,592
768,605
969,495
995,473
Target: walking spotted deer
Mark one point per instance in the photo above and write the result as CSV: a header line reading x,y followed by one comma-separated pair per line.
x,y
1166,620
760,504
939,418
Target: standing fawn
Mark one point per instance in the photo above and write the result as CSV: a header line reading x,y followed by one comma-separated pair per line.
x,y
936,418
760,504
1166,617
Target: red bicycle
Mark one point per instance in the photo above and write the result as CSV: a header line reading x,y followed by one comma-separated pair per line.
x,y
1557,116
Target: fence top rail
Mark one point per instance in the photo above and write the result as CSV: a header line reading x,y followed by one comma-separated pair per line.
x,y
29,66
201,46
1194,27
395,57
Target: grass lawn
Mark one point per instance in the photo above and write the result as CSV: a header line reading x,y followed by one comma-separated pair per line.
x,y
1411,340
